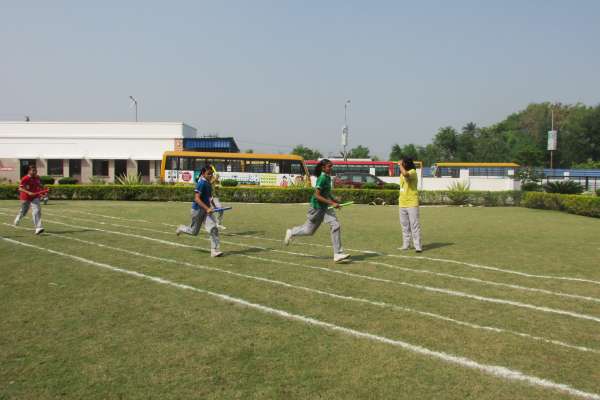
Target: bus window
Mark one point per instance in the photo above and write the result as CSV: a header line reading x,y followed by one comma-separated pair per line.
x,y
296,168
382,170
186,164
172,163
257,166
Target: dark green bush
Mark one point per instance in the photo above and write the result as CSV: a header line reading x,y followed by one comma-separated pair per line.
x,y
574,204
9,192
253,194
229,182
370,185
597,192
531,187
563,187
391,186
47,180
67,180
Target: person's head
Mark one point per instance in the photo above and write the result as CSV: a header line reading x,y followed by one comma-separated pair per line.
x,y
31,170
323,166
408,163
206,172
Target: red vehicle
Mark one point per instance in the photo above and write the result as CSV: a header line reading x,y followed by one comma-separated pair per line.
x,y
377,168
356,180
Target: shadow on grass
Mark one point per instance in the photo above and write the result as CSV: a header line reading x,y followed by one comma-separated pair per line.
x,y
70,231
251,250
436,245
244,233
363,256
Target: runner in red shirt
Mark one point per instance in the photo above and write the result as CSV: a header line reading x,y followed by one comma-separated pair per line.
x,y
30,191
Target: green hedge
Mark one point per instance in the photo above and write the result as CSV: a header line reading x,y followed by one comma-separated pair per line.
x,y
572,203
254,194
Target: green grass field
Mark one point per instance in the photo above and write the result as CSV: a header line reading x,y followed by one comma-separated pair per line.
x,y
504,303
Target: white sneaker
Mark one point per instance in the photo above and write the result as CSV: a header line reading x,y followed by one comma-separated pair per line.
x,y
178,231
288,237
221,227
216,253
39,230
17,220
340,257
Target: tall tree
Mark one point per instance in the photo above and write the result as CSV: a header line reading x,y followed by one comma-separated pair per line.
x,y
447,142
359,152
307,153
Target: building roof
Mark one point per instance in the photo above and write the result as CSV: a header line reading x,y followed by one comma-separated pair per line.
x,y
104,130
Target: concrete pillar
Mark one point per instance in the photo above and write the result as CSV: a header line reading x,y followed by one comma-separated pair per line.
x,y
42,167
132,168
86,170
65,168
111,171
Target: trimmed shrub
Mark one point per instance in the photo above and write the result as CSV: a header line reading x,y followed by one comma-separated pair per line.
x,y
574,204
9,192
370,186
47,180
598,192
97,180
125,179
229,182
254,194
391,186
458,192
67,180
563,187
531,187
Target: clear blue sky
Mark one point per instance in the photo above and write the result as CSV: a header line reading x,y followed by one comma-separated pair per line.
x,y
277,73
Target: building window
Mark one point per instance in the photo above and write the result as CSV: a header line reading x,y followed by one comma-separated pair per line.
x,y
74,168
100,167
55,167
157,164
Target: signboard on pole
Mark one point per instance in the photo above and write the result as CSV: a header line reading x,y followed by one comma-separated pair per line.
x,y
552,140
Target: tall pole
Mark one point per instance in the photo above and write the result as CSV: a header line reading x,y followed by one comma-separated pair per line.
x,y
135,103
346,129
552,128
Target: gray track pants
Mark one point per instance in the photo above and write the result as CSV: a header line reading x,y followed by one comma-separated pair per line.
x,y
217,204
409,219
200,217
36,212
314,219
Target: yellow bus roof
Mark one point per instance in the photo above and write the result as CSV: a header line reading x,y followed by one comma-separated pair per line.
x,y
235,156
475,164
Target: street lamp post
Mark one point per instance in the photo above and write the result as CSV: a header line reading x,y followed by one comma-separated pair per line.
x,y
345,129
135,103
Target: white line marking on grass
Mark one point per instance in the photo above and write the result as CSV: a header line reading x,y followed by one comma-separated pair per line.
x,y
494,370
410,270
324,293
406,284
508,271
485,282
444,260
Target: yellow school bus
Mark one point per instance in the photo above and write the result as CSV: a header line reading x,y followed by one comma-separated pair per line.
x,y
250,169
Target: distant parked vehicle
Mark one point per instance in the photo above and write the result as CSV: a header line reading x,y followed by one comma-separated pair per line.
x,y
357,180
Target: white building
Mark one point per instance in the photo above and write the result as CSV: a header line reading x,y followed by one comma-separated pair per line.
x,y
85,149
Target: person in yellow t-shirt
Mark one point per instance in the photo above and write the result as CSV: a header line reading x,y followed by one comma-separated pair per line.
x,y
409,205
215,201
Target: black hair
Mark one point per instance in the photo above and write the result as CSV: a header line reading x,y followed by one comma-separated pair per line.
x,y
30,167
320,165
408,163
203,170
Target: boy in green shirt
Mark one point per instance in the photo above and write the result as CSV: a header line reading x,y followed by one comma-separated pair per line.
x,y
319,211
